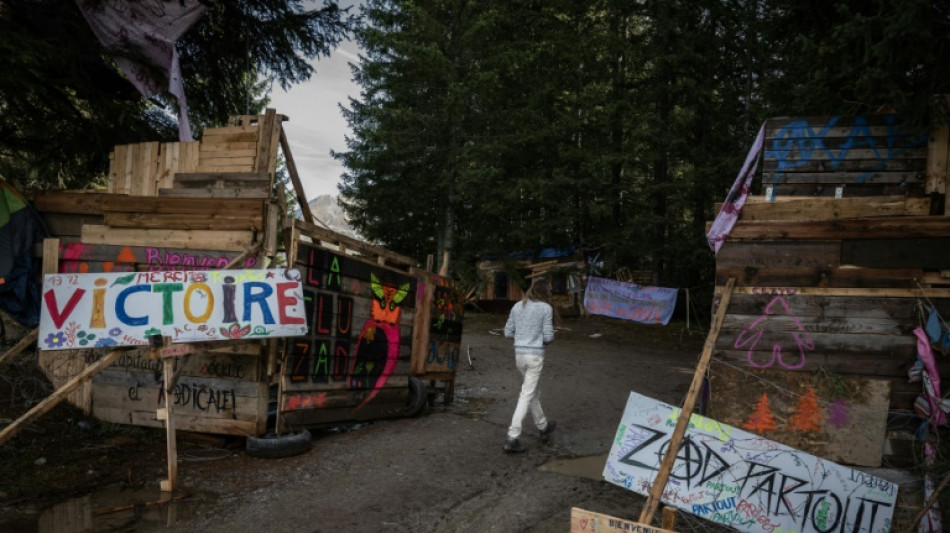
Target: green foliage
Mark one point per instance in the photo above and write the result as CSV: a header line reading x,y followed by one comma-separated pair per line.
x,y
493,127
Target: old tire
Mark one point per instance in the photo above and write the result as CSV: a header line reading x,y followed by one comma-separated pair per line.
x,y
418,397
273,446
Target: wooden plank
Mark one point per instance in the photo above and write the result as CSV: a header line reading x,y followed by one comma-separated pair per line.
x,y
295,178
198,239
938,152
50,256
916,164
883,364
666,466
226,159
842,190
821,208
75,202
245,149
822,324
583,521
781,254
877,125
210,221
324,234
926,253
212,192
843,276
851,424
54,399
265,134
847,178
857,292
151,204
802,305
851,228
230,130
184,178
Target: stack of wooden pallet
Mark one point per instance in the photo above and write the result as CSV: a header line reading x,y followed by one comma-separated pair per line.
x,y
221,187
840,259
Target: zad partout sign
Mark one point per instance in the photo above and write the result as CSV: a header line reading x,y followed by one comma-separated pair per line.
x,y
125,309
743,480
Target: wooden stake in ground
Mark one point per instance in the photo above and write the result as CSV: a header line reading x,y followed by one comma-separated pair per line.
x,y
156,343
53,399
24,343
662,476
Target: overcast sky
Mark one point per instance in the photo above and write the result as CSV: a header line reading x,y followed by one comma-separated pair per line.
x,y
316,125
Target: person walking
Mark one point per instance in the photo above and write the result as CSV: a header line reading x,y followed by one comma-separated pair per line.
x,y
531,325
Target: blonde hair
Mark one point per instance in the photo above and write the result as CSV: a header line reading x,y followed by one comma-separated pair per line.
x,y
540,291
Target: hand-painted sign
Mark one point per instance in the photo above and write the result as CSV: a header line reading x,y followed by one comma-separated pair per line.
x,y
125,309
650,305
742,480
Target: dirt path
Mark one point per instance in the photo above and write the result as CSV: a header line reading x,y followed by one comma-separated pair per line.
x,y
445,470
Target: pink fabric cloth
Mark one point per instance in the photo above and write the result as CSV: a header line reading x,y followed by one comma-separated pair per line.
x,y
141,34
931,393
729,213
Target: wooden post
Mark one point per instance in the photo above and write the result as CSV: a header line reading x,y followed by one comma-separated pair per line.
x,y
156,343
444,269
53,399
662,476
668,518
295,178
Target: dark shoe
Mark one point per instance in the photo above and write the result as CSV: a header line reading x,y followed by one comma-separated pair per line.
x,y
548,430
513,446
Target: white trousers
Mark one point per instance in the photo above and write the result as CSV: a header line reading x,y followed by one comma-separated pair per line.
x,y
530,398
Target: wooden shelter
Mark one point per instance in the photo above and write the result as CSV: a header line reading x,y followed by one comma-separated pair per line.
x,y
214,204
837,262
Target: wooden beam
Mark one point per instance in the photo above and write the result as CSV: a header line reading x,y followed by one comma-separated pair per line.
x,y
76,202
23,344
265,134
854,228
161,206
236,240
50,256
845,291
295,178
215,192
363,248
53,399
666,466
826,208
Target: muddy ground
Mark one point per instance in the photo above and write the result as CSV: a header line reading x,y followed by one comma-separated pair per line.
x,y
444,471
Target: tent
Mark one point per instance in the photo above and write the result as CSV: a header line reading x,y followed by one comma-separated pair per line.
x,y
20,283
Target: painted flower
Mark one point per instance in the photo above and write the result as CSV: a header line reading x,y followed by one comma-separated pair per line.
x,y
235,331
115,332
55,340
106,342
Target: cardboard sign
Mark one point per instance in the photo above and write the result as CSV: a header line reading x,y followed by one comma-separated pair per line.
x,y
125,309
583,521
650,305
742,480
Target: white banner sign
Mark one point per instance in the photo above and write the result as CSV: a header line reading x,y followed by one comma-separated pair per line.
x,y
742,480
125,309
